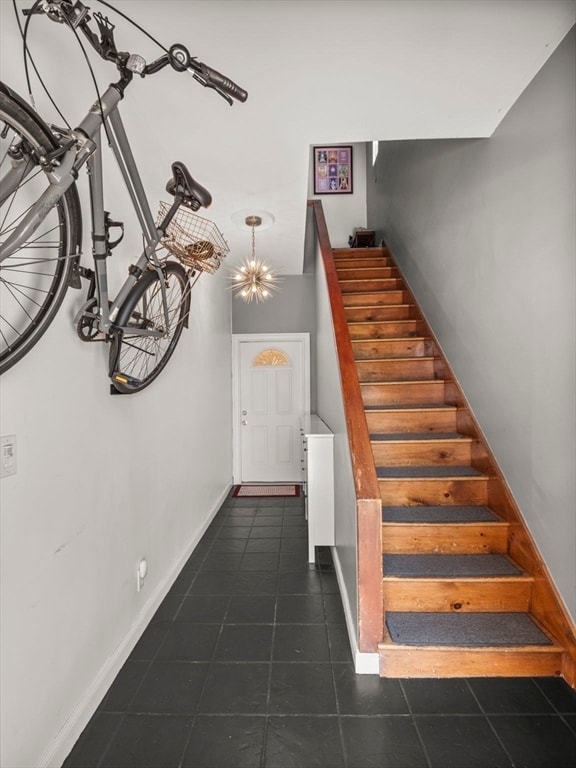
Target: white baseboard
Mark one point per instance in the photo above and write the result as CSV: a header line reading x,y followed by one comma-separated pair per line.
x,y
364,663
58,750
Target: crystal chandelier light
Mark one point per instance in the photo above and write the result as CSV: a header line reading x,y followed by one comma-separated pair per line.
x,y
253,279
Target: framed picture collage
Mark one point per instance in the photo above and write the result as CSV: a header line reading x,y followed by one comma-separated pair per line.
x,y
333,170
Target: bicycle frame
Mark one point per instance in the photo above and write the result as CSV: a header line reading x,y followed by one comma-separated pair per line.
x,y
86,148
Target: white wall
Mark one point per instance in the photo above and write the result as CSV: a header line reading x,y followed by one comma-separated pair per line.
x,y
346,211
102,481
330,408
484,231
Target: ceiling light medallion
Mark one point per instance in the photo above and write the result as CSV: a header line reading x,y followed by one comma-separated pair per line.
x,y
253,279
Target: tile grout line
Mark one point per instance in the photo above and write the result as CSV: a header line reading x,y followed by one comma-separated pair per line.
x,y
494,731
415,724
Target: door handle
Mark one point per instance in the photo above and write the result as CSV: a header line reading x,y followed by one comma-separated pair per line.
x,y
244,422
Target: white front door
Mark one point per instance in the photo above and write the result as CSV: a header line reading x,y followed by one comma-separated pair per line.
x,y
272,395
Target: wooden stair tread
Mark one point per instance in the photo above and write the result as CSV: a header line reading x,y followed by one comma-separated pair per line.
x,y
343,270
405,321
363,281
407,382
379,306
410,407
370,285
372,251
439,514
401,381
376,298
400,361
406,333
386,323
406,361
379,313
389,339
411,437
381,262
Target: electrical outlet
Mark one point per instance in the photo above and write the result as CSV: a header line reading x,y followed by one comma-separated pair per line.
x,y
7,455
141,572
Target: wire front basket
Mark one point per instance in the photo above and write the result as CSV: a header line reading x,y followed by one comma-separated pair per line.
x,y
196,242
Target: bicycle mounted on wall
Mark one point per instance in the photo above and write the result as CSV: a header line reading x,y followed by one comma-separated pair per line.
x,y
41,221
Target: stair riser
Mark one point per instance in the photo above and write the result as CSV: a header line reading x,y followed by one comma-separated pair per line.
x,y
395,453
360,253
457,596
366,273
386,329
374,314
368,350
405,661
381,298
444,539
404,369
375,261
415,393
369,286
411,421
421,491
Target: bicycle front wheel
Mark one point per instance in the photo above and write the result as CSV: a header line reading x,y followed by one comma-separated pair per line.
x,y
136,359
33,279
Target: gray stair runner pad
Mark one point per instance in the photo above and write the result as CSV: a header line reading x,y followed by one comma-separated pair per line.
x,y
428,471
423,514
464,629
448,566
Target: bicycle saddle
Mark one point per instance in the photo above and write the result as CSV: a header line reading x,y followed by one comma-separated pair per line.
x,y
193,194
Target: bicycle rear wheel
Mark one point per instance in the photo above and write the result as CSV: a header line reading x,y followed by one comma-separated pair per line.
x,y
34,279
136,360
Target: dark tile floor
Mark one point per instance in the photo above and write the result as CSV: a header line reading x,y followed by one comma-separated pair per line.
x,y
247,665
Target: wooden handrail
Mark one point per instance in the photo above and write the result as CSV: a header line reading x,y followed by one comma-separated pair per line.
x,y
368,502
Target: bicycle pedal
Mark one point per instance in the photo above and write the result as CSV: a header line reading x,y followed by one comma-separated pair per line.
x,y
125,381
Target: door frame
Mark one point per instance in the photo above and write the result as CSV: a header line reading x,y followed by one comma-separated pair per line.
x,y
267,338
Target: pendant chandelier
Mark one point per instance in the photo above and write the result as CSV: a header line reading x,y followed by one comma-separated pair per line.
x,y
253,279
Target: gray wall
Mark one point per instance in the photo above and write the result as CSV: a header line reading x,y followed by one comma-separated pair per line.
x,y
484,231
291,310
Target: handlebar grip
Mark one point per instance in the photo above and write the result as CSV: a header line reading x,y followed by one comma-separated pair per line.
x,y
219,81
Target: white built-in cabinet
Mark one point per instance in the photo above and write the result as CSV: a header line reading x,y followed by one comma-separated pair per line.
x,y
318,481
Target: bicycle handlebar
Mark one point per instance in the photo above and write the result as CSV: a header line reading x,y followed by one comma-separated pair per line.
x,y
211,78
77,15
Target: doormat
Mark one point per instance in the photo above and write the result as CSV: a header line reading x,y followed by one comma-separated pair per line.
x,y
265,490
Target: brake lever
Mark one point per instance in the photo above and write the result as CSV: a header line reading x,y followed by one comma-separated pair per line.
x,y
206,84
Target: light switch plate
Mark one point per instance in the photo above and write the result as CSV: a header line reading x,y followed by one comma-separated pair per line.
x,y
7,455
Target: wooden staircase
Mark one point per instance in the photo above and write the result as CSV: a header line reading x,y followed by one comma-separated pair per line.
x,y
465,592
